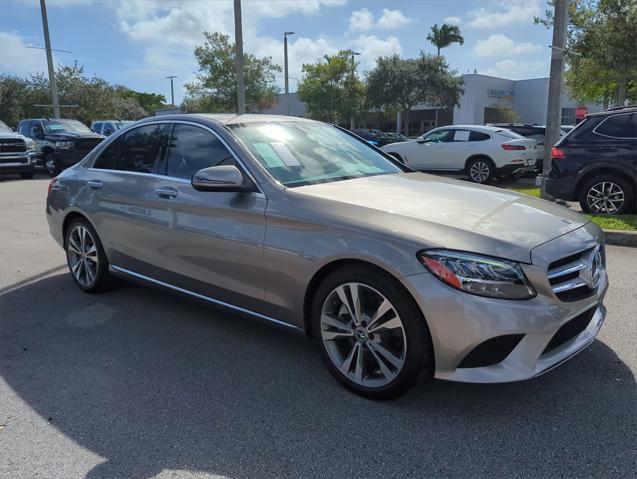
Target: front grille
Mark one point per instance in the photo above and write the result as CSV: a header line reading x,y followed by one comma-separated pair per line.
x,y
567,276
12,145
84,145
570,329
24,160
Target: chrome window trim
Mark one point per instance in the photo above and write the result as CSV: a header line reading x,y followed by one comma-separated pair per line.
x,y
119,269
610,136
118,133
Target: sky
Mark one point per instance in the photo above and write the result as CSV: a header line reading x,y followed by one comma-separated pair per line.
x,y
137,43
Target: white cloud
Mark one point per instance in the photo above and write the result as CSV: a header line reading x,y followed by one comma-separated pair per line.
x,y
372,47
361,20
505,14
502,46
452,20
516,70
392,19
17,59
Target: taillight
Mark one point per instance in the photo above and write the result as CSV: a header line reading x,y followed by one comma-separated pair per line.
x,y
509,147
557,154
51,185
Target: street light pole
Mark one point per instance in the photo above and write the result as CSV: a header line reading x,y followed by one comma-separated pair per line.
x,y
553,111
172,90
285,67
238,43
49,61
351,119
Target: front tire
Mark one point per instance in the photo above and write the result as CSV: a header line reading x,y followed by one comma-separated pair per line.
x,y
86,258
607,194
480,170
372,336
51,165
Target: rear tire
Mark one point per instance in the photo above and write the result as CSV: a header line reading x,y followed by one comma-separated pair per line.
x,y
607,194
86,258
380,349
480,170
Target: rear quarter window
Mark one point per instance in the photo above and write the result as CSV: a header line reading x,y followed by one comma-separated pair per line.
x,y
619,126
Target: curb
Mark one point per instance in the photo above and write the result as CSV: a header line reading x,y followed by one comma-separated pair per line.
x,y
621,238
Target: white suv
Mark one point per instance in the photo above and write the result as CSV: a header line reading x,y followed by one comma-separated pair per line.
x,y
480,152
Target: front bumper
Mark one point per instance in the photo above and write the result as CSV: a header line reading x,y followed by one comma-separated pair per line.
x,y
460,323
17,162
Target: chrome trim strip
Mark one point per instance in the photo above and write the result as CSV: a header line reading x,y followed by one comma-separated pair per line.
x,y
145,175
576,283
200,296
566,269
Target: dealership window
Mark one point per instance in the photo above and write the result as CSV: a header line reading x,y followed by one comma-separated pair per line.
x,y
568,116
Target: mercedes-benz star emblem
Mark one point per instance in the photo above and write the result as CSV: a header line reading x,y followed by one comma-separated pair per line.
x,y
593,271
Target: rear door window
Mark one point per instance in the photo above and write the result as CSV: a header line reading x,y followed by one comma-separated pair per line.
x,y
109,156
619,126
192,148
142,148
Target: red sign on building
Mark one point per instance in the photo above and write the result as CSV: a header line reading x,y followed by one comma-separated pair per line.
x,y
580,112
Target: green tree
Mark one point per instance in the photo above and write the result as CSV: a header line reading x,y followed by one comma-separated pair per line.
x,y
332,89
148,101
95,97
601,50
399,84
443,36
216,86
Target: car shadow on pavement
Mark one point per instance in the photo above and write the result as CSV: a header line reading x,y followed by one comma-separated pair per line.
x,y
154,381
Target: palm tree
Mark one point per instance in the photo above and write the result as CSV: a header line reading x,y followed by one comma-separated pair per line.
x,y
444,36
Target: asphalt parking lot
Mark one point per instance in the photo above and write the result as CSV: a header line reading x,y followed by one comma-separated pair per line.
x,y
140,383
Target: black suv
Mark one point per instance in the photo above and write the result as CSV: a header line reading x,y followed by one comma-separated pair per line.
x,y
596,163
59,143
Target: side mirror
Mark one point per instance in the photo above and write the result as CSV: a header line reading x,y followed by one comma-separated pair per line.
x,y
421,139
221,178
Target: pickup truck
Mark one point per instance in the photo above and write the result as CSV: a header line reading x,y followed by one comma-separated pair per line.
x,y
17,153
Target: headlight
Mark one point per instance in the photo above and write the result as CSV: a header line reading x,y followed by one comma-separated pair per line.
x,y
30,144
63,145
481,275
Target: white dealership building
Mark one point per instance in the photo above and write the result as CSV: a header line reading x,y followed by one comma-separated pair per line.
x,y
483,101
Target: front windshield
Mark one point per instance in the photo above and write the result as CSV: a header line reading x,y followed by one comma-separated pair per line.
x,y
65,126
4,128
301,153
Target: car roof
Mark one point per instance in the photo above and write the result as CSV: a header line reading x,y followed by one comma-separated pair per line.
x,y
615,110
480,128
232,118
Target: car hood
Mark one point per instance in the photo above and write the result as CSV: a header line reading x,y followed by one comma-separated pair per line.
x,y
440,212
11,136
71,136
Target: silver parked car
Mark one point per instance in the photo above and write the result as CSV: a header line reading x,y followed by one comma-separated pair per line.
x,y
393,272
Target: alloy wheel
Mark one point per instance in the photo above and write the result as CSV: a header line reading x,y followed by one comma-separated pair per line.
x,y
82,252
50,166
363,335
479,171
605,197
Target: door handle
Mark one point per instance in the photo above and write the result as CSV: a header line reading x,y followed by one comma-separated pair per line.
x,y
95,184
166,192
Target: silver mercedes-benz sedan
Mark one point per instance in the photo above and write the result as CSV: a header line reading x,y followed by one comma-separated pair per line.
x,y
394,273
